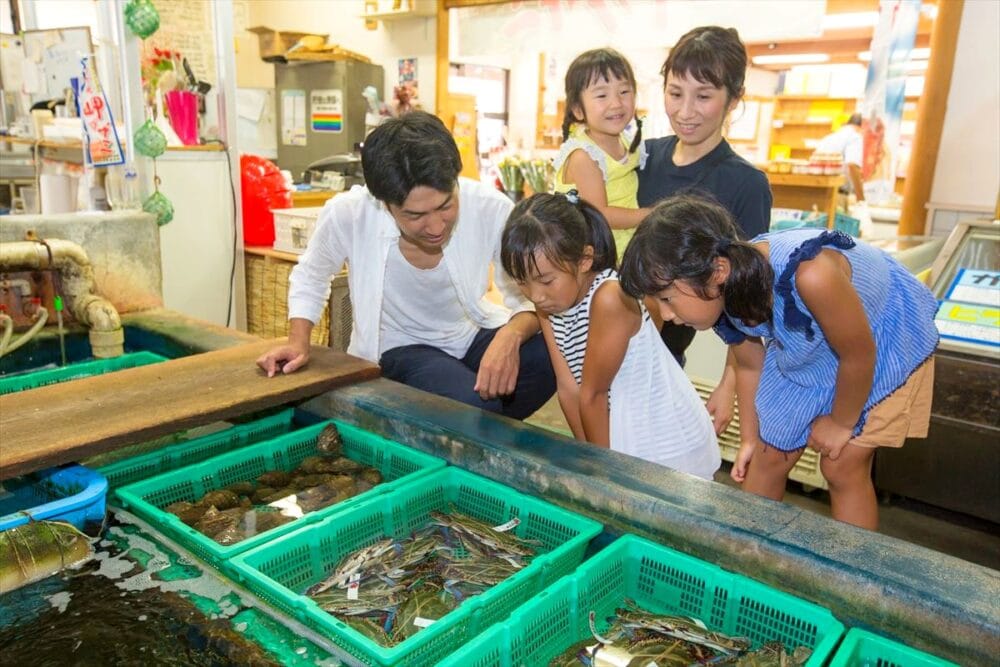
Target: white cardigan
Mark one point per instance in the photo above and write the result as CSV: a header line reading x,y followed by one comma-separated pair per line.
x,y
357,229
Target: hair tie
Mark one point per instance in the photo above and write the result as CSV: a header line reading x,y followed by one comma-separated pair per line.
x,y
573,197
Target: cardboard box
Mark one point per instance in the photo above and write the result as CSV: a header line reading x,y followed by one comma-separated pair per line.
x,y
275,43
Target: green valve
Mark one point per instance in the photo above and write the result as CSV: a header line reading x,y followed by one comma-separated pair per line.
x,y
58,303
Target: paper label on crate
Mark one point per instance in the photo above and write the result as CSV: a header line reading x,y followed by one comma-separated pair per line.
x,y
612,656
504,527
353,586
326,110
421,622
289,506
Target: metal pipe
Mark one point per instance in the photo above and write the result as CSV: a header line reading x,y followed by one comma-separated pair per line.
x,y
102,319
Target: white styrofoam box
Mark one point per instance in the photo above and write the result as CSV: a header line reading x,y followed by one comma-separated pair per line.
x,y
293,228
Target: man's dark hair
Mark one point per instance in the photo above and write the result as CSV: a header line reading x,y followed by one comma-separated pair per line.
x,y
855,119
412,150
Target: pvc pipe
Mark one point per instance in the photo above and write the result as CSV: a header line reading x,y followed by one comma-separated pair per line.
x,y
43,316
102,319
8,331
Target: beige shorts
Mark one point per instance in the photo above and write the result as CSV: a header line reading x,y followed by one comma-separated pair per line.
x,y
905,413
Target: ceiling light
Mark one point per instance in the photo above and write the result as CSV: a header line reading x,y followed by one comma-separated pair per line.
x,y
850,20
791,59
915,54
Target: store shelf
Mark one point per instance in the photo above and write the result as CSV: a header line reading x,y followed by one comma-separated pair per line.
x,y
417,9
76,144
806,180
778,122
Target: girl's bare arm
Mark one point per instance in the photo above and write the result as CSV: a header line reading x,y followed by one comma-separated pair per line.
x,y
614,319
567,390
824,284
581,170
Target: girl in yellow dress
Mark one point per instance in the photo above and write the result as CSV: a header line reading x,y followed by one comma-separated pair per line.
x,y
598,158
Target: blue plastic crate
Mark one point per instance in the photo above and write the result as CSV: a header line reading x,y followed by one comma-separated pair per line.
x,y
69,493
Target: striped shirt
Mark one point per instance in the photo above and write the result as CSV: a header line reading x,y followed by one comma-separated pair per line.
x,y
798,379
571,327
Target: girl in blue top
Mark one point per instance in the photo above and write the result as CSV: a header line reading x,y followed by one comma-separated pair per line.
x,y
832,339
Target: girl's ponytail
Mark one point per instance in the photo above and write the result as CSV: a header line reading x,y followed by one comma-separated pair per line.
x,y
567,124
600,236
637,139
748,272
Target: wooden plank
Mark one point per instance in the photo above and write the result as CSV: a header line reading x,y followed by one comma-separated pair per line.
x,y
69,421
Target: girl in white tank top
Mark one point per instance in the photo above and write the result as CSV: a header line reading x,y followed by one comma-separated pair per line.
x,y
617,384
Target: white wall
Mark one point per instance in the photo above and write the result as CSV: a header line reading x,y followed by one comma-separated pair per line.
x,y
341,20
196,247
968,166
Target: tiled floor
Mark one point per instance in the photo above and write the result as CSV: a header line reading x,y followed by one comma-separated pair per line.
x,y
955,534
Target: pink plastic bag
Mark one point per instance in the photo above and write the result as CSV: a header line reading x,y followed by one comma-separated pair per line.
x,y
182,107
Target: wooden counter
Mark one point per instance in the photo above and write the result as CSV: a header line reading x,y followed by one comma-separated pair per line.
x,y
803,191
65,422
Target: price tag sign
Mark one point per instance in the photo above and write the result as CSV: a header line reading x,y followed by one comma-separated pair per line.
x,y
353,585
971,309
504,527
103,149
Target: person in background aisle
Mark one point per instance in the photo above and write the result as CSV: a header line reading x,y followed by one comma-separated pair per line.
x,y
617,385
702,84
418,242
833,341
598,159
847,143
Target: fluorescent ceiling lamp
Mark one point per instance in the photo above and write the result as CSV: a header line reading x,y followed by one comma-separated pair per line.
x,y
915,54
791,59
850,20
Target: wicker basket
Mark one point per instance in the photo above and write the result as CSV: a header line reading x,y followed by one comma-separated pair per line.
x,y
267,303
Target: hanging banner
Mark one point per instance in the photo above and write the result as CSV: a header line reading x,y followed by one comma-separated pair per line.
x,y
103,149
885,89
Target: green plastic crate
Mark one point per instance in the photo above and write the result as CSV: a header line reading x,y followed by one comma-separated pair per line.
x,y
136,468
659,580
866,649
397,463
281,570
75,371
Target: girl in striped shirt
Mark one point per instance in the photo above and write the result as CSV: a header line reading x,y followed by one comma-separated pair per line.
x,y
617,384
833,341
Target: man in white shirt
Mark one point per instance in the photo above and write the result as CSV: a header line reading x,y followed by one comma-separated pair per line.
x,y
418,242
847,143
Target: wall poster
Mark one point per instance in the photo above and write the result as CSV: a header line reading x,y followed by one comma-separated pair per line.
x,y
326,110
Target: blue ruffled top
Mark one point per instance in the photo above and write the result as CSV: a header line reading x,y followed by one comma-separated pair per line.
x,y
800,368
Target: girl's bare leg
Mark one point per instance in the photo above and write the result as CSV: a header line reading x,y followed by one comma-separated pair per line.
x,y
768,471
852,494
